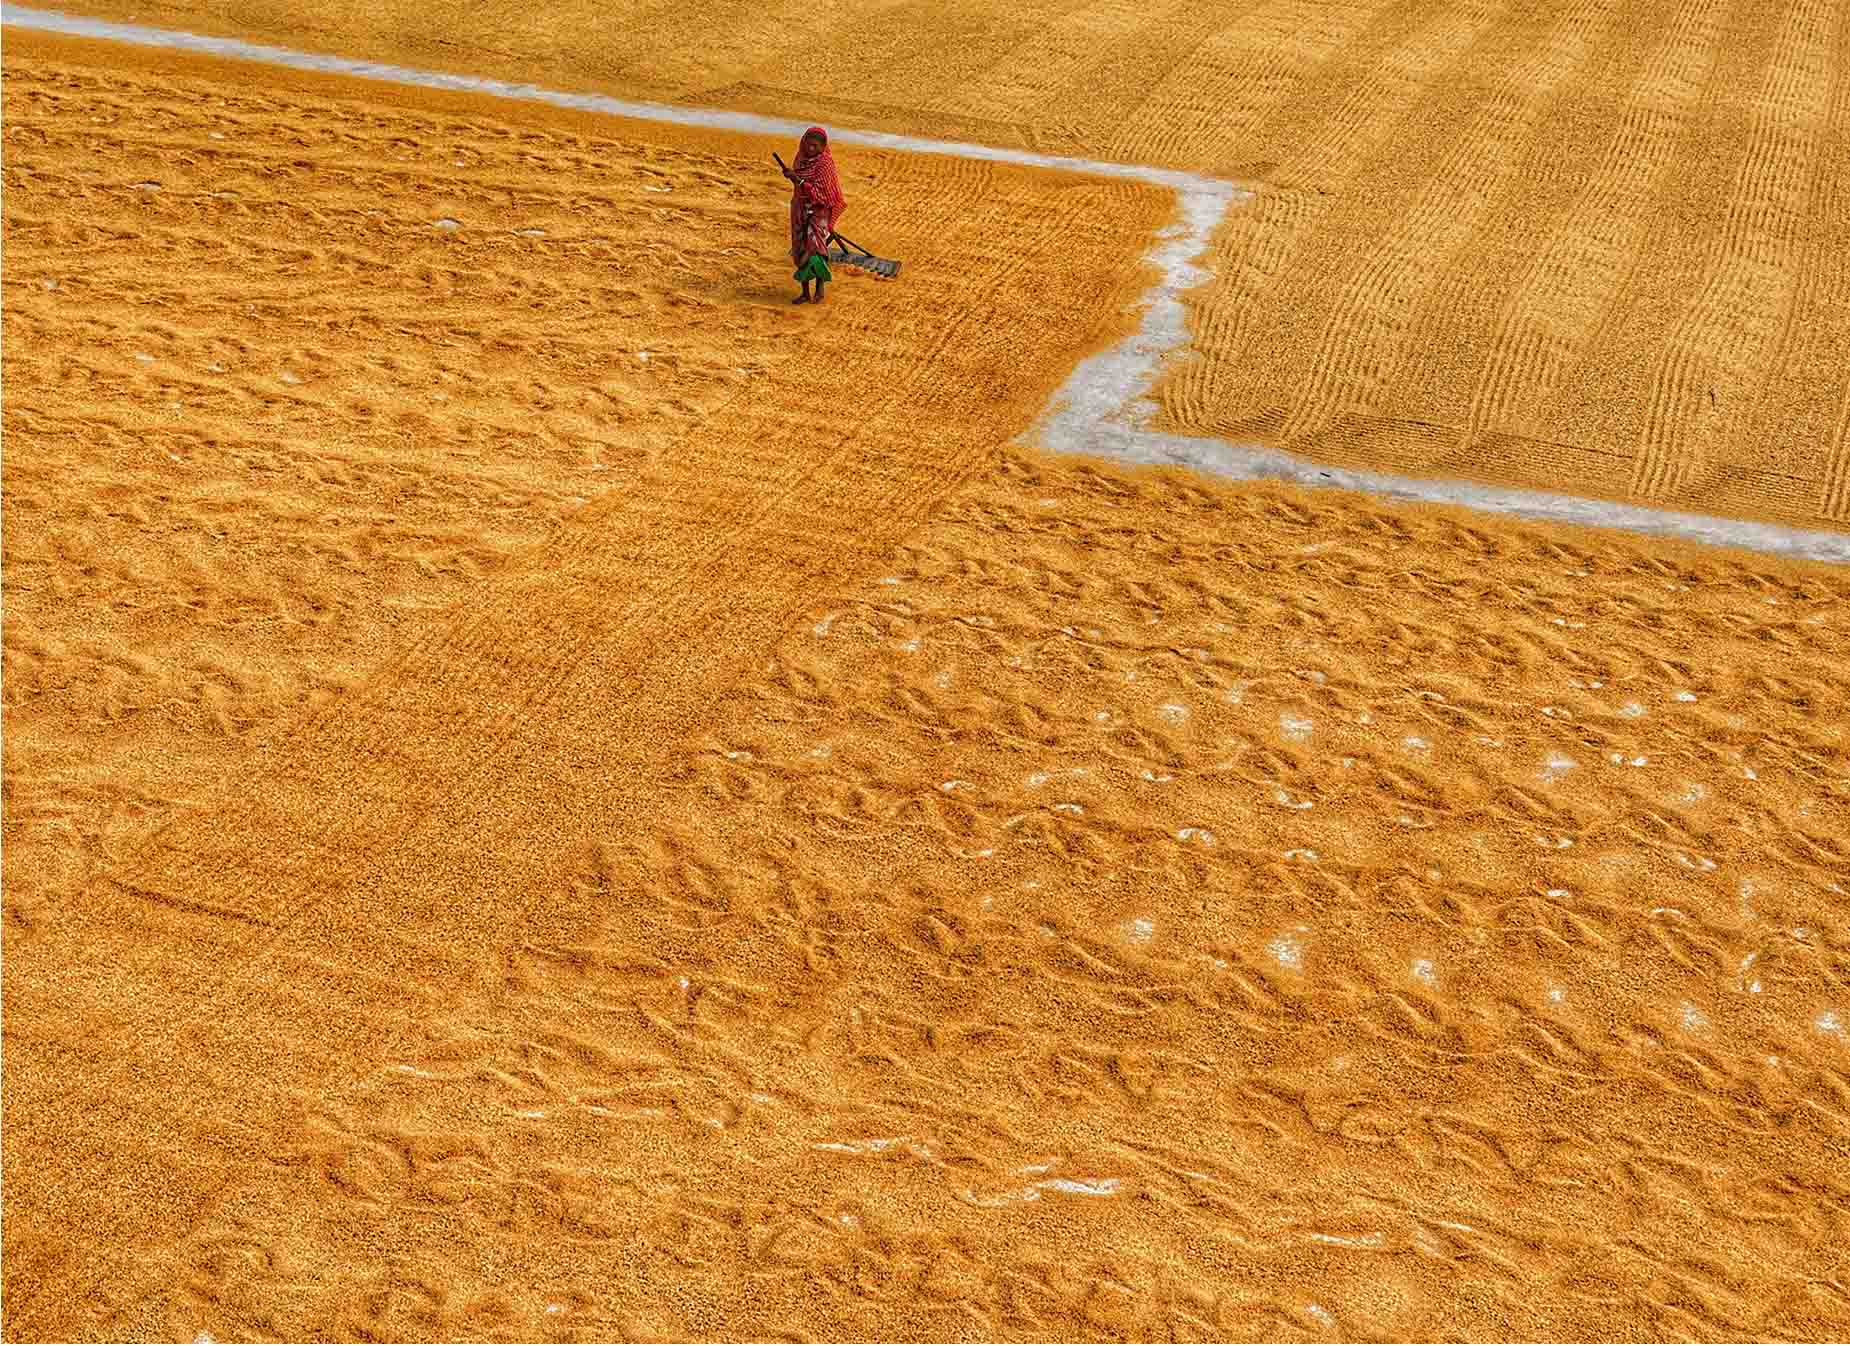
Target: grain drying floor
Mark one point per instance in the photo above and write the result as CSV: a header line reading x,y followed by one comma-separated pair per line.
x,y
1594,246
509,838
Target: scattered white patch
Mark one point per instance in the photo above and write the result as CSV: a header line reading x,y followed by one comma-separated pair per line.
x,y
890,579
555,1308
1365,718
533,1112
822,750
644,356
944,680
1631,710
1423,969
1286,800
1288,950
1554,843
290,377
413,1070
1557,892
531,233
1073,809
447,225
1696,862
763,1098
950,786
1082,1186
1828,1022
1321,1314
1557,994
1294,727
1485,741
1552,711
822,627
147,186
1173,711
1235,694
909,646
1155,779
1414,743
1201,834
1750,773
1686,696
1694,793
1341,1241
878,1146
1102,716
1301,853
1557,764
738,755
1141,929
1694,1020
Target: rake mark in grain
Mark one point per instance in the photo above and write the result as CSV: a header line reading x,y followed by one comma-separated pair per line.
x,y
1717,356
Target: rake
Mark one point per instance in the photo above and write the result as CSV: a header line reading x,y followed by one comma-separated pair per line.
x,y
850,253
847,252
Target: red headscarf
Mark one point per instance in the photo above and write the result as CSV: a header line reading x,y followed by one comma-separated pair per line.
x,y
817,192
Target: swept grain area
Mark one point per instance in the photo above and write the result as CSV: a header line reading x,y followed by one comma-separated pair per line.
x,y
1593,246
509,838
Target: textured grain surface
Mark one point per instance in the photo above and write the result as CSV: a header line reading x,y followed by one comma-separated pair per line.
x,y
509,839
1600,246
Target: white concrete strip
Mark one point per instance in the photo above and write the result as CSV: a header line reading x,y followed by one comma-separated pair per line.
x,y
1104,407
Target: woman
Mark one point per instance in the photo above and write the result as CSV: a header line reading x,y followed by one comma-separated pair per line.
x,y
816,203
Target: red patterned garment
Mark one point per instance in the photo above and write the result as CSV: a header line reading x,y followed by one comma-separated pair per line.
x,y
816,200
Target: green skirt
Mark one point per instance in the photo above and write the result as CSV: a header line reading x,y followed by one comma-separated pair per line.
x,y
816,268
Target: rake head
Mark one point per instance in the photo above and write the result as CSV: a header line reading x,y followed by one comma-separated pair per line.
x,y
845,253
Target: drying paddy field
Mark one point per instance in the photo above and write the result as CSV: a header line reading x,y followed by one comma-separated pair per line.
x,y
550,795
